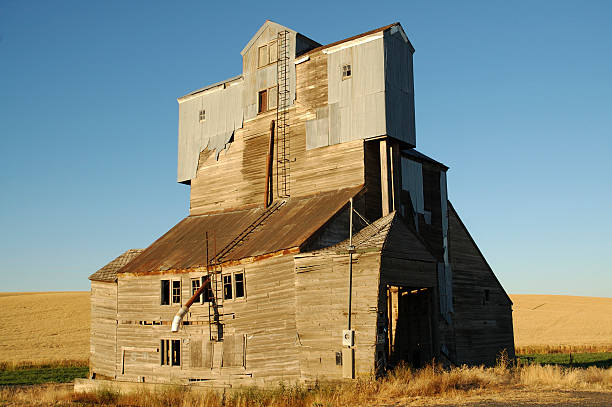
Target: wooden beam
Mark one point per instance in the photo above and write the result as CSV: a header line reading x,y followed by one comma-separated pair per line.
x,y
386,193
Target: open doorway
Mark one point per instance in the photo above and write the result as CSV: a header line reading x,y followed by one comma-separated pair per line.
x,y
409,330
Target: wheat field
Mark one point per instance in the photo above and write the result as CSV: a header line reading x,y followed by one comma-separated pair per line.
x,y
55,325
563,321
44,326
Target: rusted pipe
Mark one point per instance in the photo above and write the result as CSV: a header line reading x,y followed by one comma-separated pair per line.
x,y
269,165
185,308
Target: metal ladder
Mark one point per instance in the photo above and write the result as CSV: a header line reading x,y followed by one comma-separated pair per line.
x,y
282,115
218,258
215,306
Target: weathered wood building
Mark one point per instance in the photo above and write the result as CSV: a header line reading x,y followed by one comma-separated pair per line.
x,y
320,243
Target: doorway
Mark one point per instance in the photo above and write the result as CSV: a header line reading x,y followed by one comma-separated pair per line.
x,y
409,330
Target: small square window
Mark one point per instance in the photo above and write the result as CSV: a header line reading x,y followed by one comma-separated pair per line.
x,y
202,115
346,71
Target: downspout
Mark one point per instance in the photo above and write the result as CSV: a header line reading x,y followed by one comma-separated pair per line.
x,y
269,166
185,308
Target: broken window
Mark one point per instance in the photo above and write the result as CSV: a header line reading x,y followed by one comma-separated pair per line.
x,y
263,101
239,284
227,287
170,350
165,292
346,71
195,286
207,294
176,292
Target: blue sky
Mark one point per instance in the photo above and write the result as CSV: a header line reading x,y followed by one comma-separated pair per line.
x,y
515,97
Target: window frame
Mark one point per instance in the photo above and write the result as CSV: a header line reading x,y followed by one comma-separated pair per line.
x,y
202,115
172,295
262,95
232,286
168,292
268,60
349,69
167,352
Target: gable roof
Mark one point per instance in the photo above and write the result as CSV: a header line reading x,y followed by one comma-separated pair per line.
x,y
284,226
388,234
108,273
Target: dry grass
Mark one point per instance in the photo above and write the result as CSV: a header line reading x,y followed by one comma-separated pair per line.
x,y
562,322
44,326
431,385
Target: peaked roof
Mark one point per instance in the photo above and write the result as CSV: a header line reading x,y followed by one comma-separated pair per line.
x,y
265,25
389,234
241,234
109,272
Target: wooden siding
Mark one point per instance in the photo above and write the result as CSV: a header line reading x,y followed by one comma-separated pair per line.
x,y
482,328
264,319
322,312
237,178
103,328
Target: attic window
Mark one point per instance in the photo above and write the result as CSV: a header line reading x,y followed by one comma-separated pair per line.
x,y
202,115
346,71
267,54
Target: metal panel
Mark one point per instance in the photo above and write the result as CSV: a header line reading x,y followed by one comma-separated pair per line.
x,y
412,181
399,87
223,115
356,103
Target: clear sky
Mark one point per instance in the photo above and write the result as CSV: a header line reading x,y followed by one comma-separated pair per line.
x,y
515,97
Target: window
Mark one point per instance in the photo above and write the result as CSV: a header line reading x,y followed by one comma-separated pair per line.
x,y
273,51
195,286
202,115
262,56
263,101
272,97
239,285
207,295
176,292
165,292
227,287
346,71
267,54
170,352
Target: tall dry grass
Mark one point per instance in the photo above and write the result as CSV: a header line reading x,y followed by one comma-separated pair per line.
x,y
17,365
431,383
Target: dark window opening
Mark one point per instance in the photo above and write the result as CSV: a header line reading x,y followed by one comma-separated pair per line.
x,y
227,287
486,297
202,115
346,71
165,352
207,294
239,282
176,292
263,101
165,292
176,352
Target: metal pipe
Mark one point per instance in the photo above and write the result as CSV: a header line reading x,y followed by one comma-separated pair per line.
x,y
185,308
351,249
269,165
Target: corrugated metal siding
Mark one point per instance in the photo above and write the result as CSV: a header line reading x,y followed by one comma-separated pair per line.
x,y
223,107
399,88
412,181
